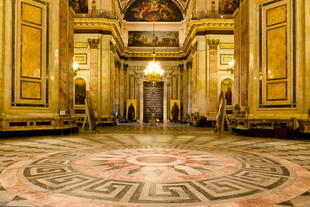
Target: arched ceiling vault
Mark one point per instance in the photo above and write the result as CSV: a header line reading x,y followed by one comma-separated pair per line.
x,y
125,4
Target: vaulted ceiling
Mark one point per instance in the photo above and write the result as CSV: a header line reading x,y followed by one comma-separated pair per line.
x,y
124,4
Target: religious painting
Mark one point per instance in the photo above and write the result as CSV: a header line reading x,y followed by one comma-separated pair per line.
x,y
228,6
175,109
145,39
131,110
80,91
153,10
227,90
79,6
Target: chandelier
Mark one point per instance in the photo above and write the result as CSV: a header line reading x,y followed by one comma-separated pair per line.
x,y
153,72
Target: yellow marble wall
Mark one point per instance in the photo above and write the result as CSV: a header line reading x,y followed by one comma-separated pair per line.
x,y
1,60
277,53
30,60
278,78
38,67
277,66
66,57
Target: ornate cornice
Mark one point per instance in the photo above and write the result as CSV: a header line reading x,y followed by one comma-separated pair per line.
x,y
112,27
205,25
194,47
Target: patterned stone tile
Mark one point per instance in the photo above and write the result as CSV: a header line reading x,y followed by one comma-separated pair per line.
x,y
133,165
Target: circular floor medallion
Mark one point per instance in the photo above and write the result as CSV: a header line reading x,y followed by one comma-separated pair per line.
x,y
156,176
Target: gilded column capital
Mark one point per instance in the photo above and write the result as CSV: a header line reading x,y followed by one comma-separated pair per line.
x,y
126,66
213,44
93,43
117,64
189,65
181,67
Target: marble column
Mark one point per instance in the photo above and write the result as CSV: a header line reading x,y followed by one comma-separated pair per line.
x,y
112,80
185,89
190,86
237,40
93,71
125,88
167,97
122,90
139,97
201,87
105,78
194,83
117,86
212,98
166,108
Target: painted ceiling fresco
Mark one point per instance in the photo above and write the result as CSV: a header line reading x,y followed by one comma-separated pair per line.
x,y
228,6
124,4
79,6
153,10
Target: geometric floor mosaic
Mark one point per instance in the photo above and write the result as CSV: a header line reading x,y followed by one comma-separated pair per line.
x,y
120,167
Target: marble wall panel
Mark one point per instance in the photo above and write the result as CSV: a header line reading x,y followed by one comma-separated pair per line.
x,y
277,91
276,15
31,14
277,53
30,90
31,52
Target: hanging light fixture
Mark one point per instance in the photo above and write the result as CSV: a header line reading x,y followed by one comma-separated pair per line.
x,y
153,72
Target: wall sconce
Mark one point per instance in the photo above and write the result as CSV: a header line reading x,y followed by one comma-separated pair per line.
x,y
231,66
76,68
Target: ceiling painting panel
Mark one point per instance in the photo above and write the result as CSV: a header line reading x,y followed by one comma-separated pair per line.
x,y
153,10
124,4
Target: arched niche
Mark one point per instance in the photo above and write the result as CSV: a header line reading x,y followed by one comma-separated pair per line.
x,y
79,91
153,10
226,87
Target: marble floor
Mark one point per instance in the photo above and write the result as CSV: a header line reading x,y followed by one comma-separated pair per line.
x,y
160,166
